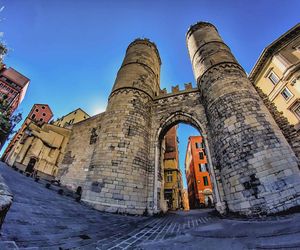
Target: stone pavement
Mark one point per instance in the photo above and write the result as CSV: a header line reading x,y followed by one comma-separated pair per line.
x,y
42,219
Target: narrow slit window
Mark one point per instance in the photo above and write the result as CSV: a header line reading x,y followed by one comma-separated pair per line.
x,y
205,181
201,155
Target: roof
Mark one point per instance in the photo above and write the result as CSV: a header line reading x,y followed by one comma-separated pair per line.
x,y
270,50
16,77
73,112
41,104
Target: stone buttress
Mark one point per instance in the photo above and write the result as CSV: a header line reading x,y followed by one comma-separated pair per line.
x,y
258,168
118,172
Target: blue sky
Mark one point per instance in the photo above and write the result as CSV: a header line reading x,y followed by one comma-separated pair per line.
x,y
72,49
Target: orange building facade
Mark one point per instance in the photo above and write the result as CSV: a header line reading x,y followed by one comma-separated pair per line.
x,y
198,179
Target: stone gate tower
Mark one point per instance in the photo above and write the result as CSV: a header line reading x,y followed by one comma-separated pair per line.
x,y
115,156
259,170
120,159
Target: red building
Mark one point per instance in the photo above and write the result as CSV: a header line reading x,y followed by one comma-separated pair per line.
x,y
14,85
198,180
39,114
171,141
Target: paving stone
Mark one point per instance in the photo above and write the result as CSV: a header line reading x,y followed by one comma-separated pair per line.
x,y
68,224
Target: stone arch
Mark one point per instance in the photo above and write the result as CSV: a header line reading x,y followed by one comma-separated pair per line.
x,y
176,118
167,123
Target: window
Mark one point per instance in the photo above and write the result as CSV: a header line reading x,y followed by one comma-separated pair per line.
x,y
203,167
286,93
205,180
169,176
43,107
71,121
201,155
33,116
197,144
41,119
44,114
37,110
297,110
273,77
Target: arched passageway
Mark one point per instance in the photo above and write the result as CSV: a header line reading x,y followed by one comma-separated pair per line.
x,y
173,120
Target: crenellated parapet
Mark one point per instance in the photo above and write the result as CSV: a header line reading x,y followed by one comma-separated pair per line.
x,y
175,90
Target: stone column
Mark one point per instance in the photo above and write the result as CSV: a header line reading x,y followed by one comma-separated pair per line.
x,y
258,168
117,180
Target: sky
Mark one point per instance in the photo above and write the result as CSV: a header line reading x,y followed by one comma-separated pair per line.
x,y
72,49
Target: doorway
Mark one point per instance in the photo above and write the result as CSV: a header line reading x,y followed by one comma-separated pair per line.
x,y
30,166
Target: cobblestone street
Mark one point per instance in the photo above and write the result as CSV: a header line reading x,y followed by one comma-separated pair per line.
x,y
42,219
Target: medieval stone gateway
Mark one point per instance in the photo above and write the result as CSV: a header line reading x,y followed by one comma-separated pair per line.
x,y
114,156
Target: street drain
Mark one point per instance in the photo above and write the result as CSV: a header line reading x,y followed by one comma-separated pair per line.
x,y
84,237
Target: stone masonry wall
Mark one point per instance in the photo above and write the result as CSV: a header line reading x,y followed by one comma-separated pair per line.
x,y
258,167
75,164
168,110
115,156
288,130
117,176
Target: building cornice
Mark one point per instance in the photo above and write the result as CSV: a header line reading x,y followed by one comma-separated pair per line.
x,y
270,50
62,117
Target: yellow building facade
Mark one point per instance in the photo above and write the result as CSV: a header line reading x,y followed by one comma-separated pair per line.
x,y
277,74
172,185
172,177
73,117
40,150
41,147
